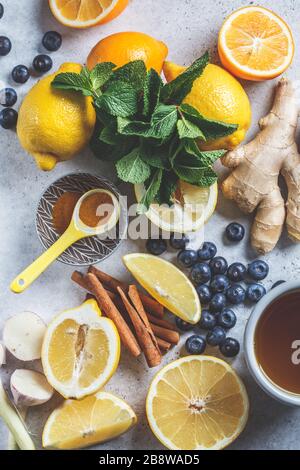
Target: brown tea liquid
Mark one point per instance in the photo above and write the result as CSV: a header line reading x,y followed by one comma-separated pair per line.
x,y
277,342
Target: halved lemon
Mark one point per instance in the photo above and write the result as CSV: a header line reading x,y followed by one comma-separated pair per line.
x,y
86,13
95,419
81,351
192,208
197,403
167,284
255,44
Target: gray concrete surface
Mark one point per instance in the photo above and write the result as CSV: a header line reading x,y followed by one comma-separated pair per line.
x,y
189,27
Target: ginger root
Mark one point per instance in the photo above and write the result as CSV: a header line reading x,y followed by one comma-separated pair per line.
x,y
253,184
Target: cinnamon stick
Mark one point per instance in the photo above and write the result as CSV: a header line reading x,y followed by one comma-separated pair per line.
x,y
149,303
111,311
142,327
164,346
163,333
161,322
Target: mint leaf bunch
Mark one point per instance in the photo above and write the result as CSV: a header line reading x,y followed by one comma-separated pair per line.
x,y
144,126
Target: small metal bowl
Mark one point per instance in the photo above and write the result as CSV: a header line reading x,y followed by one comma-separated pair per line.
x,y
90,250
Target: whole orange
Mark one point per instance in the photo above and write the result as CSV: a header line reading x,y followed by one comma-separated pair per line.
x,y
121,48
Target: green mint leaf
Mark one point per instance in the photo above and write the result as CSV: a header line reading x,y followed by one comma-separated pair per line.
x,y
207,157
120,99
110,136
152,188
106,151
167,188
163,121
198,176
133,73
175,91
134,128
210,128
73,81
152,88
101,74
156,157
132,169
188,130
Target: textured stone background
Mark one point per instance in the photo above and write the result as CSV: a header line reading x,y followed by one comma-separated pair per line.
x,y
189,27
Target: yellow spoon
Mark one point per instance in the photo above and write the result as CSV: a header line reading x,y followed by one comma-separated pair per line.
x,y
76,231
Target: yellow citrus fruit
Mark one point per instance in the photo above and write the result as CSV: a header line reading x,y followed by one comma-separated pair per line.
x,y
81,351
197,403
55,125
192,208
167,284
121,48
255,44
217,95
93,420
86,13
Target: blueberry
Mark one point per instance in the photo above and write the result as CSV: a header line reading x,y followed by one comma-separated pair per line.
x,y
178,242
204,293
237,272
20,74
235,232
216,337
187,258
5,45
52,41
156,246
8,97
219,283
183,325
195,344
230,347
200,273
236,294
218,265
258,270
217,303
42,63
207,252
276,284
8,118
208,320
1,10
255,292
226,319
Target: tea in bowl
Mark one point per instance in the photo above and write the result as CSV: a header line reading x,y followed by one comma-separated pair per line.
x,y
272,343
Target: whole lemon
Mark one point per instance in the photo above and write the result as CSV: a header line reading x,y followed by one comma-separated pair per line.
x,y
54,125
121,48
217,95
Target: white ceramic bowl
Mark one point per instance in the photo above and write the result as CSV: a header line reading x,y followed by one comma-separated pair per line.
x,y
249,346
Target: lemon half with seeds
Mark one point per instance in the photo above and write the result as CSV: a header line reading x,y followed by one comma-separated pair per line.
x,y
81,351
167,284
93,420
197,403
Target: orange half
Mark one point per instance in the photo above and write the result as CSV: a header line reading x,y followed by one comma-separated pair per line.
x,y
86,13
255,44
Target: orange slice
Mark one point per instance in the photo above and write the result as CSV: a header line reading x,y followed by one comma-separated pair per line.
x,y
255,44
86,13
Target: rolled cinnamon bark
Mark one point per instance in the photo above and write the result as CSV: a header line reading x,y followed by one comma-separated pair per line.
x,y
111,311
142,327
163,333
149,303
164,346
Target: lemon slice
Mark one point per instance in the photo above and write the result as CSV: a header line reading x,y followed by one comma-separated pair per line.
x,y
86,13
95,419
192,208
167,284
81,351
197,403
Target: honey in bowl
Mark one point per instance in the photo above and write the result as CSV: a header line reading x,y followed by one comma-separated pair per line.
x,y
277,342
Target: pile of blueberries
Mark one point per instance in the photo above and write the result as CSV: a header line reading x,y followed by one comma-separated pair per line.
x,y
42,63
218,286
